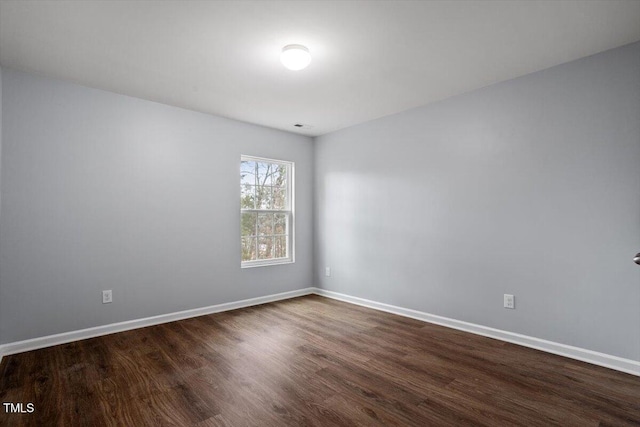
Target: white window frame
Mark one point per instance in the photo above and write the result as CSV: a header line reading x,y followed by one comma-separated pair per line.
x,y
290,212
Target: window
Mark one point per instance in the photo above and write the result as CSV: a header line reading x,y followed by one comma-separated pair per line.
x,y
266,211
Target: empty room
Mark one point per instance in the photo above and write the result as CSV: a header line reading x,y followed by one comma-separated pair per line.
x,y
320,213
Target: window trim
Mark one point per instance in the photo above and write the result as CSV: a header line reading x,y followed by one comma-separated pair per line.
x,y
290,259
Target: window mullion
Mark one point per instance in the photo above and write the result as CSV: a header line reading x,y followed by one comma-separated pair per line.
x,y
274,211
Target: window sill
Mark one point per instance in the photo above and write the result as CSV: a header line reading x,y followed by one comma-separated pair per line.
x,y
252,264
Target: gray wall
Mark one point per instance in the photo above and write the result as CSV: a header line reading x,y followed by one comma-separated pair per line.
x,y
0,170
529,187
103,191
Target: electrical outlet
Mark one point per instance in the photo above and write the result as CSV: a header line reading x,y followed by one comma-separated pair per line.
x,y
327,271
509,301
107,297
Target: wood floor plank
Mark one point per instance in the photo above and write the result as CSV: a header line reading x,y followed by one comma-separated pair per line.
x,y
310,361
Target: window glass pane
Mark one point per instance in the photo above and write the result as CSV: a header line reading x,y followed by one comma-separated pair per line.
x,y
248,223
265,224
248,172
279,198
247,196
263,197
248,248
279,176
265,173
280,247
265,247
280,224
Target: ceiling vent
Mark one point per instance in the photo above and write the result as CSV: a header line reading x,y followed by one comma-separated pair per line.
x,y
302,126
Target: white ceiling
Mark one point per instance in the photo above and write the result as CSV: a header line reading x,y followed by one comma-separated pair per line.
x,y
370,58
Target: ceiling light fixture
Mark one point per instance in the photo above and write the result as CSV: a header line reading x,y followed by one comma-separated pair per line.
x,y
295,57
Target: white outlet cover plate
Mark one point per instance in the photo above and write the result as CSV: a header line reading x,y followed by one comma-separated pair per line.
x,y
509,301
107,297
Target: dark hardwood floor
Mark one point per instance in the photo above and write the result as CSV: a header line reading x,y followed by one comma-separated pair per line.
x,y
310,361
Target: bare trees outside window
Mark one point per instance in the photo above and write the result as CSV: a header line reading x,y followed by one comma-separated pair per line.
x,y
266,215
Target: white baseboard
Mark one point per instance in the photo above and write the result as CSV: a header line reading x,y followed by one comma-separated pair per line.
x,y
66,337
601,359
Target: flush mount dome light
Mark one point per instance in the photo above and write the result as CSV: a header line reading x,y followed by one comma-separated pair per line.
x,y
295,57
